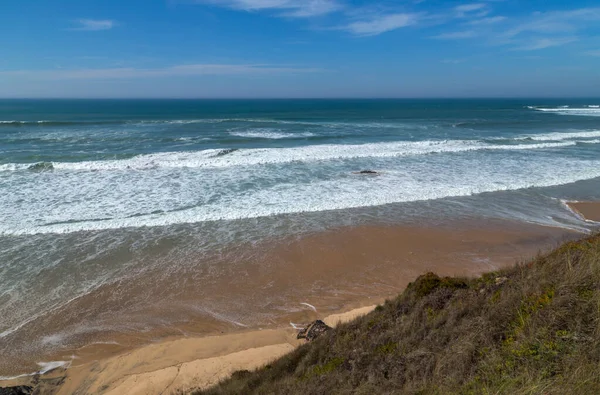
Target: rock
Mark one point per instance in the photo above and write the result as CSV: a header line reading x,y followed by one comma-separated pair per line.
x,y
372,172
313,330
42,166
226,151
20,390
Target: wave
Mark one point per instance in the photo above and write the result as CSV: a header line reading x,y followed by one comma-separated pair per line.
x,y
264,133
400,182
141,122
561,136
214,158
593,111
56,123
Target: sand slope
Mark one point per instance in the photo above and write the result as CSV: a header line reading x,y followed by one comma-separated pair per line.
x,y
186,363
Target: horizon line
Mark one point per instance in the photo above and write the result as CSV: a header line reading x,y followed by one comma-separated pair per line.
x,y
310,98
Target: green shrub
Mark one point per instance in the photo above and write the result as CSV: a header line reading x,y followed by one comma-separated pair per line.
x,y
537,331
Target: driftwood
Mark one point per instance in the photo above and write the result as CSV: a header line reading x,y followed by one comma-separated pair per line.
x,y
313,330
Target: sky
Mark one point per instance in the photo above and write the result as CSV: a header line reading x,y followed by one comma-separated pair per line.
x,y
299,49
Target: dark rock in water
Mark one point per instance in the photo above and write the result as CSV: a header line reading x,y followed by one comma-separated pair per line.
x,y
42,166
20,390
314,330
366,172
226,151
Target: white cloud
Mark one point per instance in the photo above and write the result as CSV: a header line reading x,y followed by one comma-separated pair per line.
x,y
595,52
380,24
94,24
288,8
469,7
172,71
456,35
487,21
470,10
556,22
543,43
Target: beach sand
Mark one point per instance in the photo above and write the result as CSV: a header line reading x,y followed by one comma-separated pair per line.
x,y
342,274
588,210
187,363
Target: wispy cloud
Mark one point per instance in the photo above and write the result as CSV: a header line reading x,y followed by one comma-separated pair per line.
x,y
556,22
199,69
543,43
464,21
467,10
94,24
456,35
595,52
535,31
453,61
487,21
287,8
380,24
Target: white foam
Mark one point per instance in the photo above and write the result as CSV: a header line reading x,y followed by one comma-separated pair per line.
x,y
582,111
45,367
265,133
325,124
214,158
313,308
53,339
561,136
70,202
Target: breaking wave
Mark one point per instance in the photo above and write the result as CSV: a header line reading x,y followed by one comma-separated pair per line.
x,y
590,111
214,158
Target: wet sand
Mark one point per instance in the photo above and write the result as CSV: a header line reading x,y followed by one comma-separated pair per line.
x,y
181,364
255,298
588,210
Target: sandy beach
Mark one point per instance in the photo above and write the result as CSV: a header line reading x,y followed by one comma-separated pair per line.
x,y
336,275
178,364
588,210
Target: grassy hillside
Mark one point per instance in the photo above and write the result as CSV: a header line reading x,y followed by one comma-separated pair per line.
x,y
534,328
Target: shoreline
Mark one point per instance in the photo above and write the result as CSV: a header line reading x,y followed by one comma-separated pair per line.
x,y
179,364
588,211
368,264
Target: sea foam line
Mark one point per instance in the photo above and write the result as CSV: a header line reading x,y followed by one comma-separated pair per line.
x,y
560,136
581,111
354,192
265,133
214,158
45,367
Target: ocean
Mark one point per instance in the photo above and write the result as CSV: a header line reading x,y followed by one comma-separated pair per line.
x,y
98,193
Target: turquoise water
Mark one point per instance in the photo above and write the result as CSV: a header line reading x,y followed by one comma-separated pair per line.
x,y
98,193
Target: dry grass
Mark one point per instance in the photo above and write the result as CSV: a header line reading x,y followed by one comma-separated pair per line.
x,y
531,329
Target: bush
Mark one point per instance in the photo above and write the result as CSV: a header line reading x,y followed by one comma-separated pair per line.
x,y
533,328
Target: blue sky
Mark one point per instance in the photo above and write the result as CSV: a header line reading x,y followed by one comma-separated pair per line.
x,y
290,48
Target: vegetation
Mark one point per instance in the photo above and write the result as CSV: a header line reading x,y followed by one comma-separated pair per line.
x,y
531,329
